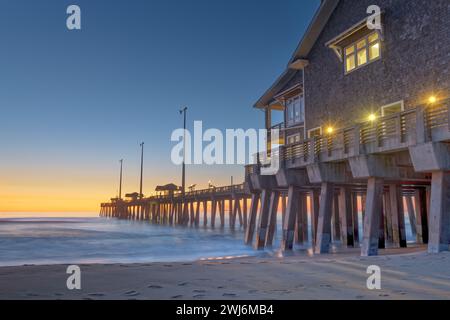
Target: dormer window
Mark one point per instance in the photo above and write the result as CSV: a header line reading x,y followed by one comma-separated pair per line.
x,y
362,52
358,46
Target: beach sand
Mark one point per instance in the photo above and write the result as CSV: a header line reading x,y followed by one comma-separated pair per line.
x,y
411,275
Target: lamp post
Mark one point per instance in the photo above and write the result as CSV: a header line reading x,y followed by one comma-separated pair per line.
x,y
183,170
142,169
120,181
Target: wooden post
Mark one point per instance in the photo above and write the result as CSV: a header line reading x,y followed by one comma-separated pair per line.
x,y
239,211
273,213
439,220
287,242
244,208
205,213
301,235
335,223
398,216
324,222
213,212
252,219
192,212
411,215
420,200
222,213
315,200
388,218
263,219
381,230
355,219
372,217
197,214
345,216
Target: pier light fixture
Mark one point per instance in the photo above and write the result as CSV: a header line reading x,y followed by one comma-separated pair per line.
x,y
372,117
330,130
432,99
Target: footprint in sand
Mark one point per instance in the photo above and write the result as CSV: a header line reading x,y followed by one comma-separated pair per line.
x,y
32,295
220,287
59,294
96,294
154,287
131,293
198,296
183,284
199,291
383,295
176,297
229,295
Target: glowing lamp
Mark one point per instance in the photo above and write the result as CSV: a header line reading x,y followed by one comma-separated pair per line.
x,y
432,99
330,130
372,117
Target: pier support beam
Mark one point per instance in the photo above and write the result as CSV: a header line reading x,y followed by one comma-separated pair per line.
x,y
287,242
372,217
439,221
301,234
324,222
252,219
315,199
420,201
345,216
263,219
411,215
273,214
398,216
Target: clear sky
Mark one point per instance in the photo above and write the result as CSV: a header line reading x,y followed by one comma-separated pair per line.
x,y
75,102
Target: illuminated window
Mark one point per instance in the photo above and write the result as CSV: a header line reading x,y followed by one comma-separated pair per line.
x,y
293,139
316,132
362,52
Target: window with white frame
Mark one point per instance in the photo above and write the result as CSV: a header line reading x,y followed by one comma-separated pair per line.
x,y
362,52
295,110
392,108
293,139
316,132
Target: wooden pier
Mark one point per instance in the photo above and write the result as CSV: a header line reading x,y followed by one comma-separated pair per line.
x,y
177,209
385,167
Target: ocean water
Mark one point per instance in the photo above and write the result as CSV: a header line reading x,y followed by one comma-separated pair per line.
x,y
98,240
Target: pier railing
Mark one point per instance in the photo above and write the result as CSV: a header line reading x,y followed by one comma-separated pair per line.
x,y
385,134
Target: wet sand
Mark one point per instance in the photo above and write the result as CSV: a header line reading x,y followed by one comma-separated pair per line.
x,y
411,275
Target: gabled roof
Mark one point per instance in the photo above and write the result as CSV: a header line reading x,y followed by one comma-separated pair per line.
x,y
310,37
314,30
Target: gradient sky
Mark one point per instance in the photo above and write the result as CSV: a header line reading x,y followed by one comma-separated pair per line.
x,y
75,102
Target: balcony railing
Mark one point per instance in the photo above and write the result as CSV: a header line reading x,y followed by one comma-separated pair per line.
x,y
389,133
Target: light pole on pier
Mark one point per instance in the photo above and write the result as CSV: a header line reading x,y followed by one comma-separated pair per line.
x,y
183,170
142,169
120,181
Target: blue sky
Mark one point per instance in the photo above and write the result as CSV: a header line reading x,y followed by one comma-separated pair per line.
x,y
74,102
